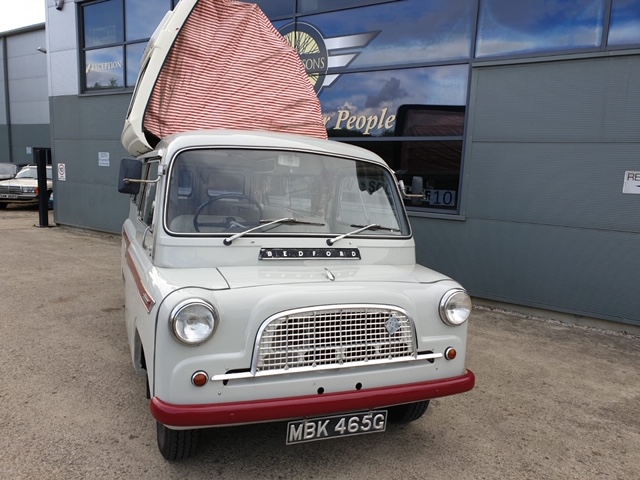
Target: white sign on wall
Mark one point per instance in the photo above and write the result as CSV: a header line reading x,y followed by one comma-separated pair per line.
x,y
631,182
103,159
62,172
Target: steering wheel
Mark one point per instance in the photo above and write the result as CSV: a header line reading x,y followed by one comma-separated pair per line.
x,y
228,221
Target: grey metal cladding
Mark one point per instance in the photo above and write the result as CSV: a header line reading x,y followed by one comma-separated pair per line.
x,y
77,116
569,184
551,142
25,43
571,270
31,135
546,222
82,127
587,100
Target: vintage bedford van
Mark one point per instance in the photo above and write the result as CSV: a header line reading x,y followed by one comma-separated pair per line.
x,y
272,276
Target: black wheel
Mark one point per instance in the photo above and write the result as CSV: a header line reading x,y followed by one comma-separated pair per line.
x,y
407,413
176,444
3,205
228,220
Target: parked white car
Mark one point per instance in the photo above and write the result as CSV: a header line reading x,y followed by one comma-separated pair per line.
x,y
23,188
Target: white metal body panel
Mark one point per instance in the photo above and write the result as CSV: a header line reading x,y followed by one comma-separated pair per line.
x,y
162,270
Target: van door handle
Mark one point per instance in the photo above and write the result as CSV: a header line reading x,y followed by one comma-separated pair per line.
x,y
144,238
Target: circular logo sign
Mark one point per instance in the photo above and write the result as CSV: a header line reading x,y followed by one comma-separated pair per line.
x,y
309,44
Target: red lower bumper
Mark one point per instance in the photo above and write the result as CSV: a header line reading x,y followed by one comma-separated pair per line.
x,y
306,406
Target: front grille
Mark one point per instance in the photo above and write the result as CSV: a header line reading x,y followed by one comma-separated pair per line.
x,y
333,337
11,190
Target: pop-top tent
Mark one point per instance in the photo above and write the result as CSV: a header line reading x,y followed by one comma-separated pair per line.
x,y
219,64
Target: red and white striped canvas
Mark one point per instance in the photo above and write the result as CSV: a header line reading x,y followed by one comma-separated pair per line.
x,y
230,68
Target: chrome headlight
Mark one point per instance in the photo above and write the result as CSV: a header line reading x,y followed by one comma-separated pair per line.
x,y
455,307
28,189
193,321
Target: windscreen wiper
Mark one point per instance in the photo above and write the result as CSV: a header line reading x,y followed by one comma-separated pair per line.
x,y
267,223
360,228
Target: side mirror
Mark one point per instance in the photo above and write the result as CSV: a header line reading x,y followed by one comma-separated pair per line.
x,y
130,176
417,190
417,187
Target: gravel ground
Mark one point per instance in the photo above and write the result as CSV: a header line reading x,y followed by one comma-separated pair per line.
x,y
552,401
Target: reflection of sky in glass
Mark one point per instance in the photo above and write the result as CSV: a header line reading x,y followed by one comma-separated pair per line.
x,y
624,28
309,6
275,8
412,31
281,23
368,94
134,57
143,16
508,26
102,23
104,68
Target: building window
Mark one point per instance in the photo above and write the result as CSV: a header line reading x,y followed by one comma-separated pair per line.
x,y
286,8
432,151
413,118
624,28
276,8
393,77
114,34
312,6
507,27
412,32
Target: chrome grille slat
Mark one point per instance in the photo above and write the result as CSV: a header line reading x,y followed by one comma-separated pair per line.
x,y
333,337
12,190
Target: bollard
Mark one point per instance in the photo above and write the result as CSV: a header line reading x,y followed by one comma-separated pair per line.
x,y
42,157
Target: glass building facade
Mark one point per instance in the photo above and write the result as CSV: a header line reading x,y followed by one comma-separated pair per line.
x,y
519,116
392,76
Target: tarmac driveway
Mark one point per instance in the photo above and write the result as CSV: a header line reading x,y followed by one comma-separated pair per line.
x,y
551,401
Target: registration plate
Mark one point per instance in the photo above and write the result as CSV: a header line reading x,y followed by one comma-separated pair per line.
x,y
8,195
312,429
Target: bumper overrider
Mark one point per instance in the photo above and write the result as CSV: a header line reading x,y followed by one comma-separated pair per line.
x,y
279,409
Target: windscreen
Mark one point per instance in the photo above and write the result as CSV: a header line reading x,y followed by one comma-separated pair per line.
x,y
231,190
32,172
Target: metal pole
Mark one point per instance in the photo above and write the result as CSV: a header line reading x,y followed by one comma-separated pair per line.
x,y
41,155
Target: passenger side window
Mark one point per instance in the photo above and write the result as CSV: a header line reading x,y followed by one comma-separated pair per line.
x,y
148,194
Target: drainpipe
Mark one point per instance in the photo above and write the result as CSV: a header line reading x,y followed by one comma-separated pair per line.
x,y
7,103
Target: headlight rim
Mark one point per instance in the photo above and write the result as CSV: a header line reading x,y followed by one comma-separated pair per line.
x,y
180,307
444,301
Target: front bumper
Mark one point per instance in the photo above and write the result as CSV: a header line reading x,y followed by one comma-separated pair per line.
x,y
23,199
236,413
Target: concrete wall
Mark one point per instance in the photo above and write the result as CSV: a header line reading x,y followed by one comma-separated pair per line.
x,y
545,222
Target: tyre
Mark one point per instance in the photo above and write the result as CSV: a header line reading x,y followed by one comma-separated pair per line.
x,y
3,205
407,413
176,444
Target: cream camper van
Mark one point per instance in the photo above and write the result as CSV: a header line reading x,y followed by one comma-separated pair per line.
x,y
270,273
